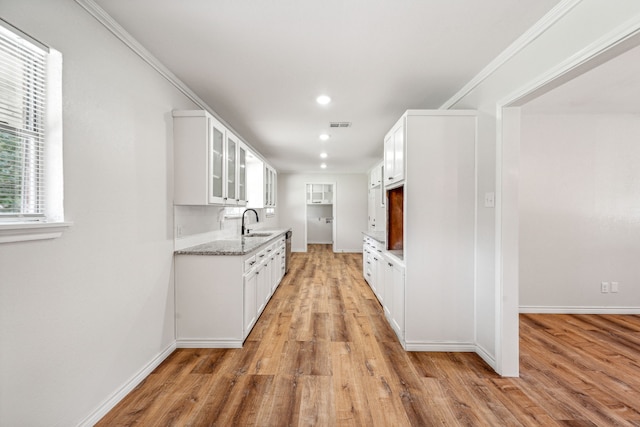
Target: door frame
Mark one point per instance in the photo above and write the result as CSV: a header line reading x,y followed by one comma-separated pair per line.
x,y
507,183
333,213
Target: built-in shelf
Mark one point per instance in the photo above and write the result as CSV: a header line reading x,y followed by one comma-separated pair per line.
x,y
319,194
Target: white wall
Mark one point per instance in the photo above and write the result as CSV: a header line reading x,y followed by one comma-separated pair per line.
x,y
351,202
82,314
579,211
497,301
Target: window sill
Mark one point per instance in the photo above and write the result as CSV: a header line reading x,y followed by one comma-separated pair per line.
x,y
25,231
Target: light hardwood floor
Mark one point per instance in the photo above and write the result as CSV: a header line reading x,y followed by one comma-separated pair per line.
x,y
322,354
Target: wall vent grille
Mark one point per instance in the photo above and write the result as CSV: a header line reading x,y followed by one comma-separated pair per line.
x,y
339,124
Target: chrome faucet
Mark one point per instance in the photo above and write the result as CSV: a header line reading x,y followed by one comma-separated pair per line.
x,y
245,211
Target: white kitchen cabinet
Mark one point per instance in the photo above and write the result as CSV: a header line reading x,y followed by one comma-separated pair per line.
x,y
235,172
372,208
278,262
242,174
373,265
375,175
375,204
231,169
220,297
275,270
385,274
373,283
262,182
427,285
378,265
207,161
394,154
369,271
270,186
283,262
263,271
199,141
365,251
394,295
388,296
439,230
250,298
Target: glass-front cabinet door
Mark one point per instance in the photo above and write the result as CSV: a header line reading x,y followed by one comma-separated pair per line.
x,y
216,154
231,169
267,187
242,174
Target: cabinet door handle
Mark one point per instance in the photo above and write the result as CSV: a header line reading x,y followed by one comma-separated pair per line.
x,y
390,177
252,262
257,272
262,256
375,259
390,265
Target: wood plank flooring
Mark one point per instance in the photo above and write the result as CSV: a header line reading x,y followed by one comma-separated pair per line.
x,y
322,354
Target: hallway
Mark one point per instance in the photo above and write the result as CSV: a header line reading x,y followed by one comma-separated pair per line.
x,y
323,354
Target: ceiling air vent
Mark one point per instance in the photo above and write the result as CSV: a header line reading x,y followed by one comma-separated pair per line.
x,y
339,124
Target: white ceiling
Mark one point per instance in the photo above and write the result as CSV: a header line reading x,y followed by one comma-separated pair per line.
x,y
260,64
610,88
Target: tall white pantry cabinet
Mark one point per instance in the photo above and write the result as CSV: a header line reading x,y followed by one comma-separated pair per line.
x,y
439,179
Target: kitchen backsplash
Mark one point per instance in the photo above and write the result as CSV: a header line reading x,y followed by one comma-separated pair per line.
x,y
199,224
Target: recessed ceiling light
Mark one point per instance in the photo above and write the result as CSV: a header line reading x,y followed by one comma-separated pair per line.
x,y
323,166
323,100
323,155
325,136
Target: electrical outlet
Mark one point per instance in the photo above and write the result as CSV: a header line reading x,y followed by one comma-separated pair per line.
x,y
604,287
614,287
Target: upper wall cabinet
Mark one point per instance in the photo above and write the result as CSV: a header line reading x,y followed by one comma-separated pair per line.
x,y
394,154
209,161
235,171
261,183
270,187
242,174
375,175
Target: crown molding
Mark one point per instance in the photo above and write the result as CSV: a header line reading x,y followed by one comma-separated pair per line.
x,y
539,28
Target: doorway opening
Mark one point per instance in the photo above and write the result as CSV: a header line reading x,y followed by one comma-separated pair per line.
x,y
563,90
320,213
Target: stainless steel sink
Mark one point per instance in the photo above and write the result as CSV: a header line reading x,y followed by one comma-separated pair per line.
x,y
258,235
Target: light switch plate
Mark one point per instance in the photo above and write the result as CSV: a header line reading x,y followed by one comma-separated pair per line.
x,y
489,200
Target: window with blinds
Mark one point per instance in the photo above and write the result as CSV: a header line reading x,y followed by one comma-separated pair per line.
x,y
22,126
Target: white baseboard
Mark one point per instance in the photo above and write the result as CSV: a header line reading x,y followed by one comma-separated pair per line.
x,y
126,388
578,310
440,347
487,357
209,344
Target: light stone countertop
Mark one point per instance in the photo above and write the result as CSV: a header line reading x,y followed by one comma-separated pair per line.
x,y
380,236
239,246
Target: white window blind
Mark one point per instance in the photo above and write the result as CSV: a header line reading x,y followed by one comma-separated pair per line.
x,y
22,126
